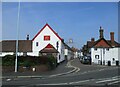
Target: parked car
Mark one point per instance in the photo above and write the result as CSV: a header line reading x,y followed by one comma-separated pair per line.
x,y
81,58
86,60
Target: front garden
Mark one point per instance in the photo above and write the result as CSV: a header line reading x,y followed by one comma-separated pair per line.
x,y
27,63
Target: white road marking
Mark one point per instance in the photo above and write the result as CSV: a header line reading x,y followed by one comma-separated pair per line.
x,y
79,82
113,82
8,80
78,69
106,80
53,84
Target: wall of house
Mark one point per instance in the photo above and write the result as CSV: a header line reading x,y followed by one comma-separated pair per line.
x,y
112,55
68,53
104,55
61,56
76,54
42,43
6,53
96,52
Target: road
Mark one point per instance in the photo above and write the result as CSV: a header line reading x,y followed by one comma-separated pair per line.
x,y
85,75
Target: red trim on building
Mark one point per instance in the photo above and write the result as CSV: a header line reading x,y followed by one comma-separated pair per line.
x,y
49,46
43,29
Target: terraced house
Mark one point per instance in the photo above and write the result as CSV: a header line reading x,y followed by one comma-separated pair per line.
x,y
45,42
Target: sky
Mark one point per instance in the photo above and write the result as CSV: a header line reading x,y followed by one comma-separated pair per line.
x,y
79,21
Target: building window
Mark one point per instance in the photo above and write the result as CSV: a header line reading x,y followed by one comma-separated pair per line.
x,y
36,43
46,38
95,49
107,49
96,56
59,57
113,59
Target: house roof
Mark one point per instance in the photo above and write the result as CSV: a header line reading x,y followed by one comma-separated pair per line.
x,y
116,44
49,49
10,45
90,44
110,44
103,45
74,49
66,46
50,29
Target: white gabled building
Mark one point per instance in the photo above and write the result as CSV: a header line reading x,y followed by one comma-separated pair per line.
x,y
105,52
46,39
45,36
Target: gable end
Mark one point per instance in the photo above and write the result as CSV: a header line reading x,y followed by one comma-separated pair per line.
x,y
43,29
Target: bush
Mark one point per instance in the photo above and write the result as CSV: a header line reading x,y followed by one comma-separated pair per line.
x,y
52,63
8,60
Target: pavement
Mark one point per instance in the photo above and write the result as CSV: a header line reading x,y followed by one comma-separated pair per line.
x,y
62,69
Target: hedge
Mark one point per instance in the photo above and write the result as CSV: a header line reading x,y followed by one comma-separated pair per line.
x,y
28,61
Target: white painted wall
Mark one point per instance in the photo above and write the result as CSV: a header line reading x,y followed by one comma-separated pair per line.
x,y
12,53
76,54
69,54
6,53
105,55
42,44
112,53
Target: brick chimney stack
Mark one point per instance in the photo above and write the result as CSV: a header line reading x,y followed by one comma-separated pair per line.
x,y
101,32
92,39
27,37
112,37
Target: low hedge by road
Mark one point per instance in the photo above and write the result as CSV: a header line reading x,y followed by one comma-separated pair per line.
x,y
30,61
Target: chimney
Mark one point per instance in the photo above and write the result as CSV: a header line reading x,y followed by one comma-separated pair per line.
x,y
112,37
27,37
101,32
92,39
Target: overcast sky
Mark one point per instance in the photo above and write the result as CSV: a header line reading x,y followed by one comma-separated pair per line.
x,y
79,20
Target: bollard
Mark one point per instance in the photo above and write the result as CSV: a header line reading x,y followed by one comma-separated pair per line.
x,y
33,69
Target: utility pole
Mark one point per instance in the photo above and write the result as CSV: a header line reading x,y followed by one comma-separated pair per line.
x,y
18,17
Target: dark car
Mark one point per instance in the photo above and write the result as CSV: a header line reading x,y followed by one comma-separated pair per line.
x,y
86,60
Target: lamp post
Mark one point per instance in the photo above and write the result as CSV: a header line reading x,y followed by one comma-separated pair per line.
x,y
18,16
